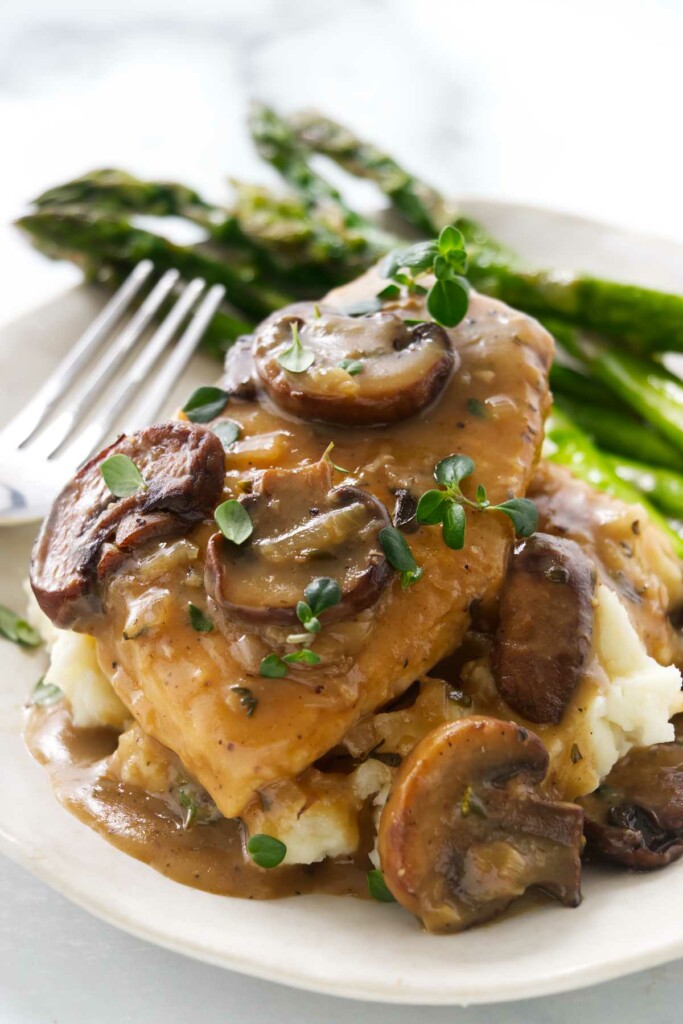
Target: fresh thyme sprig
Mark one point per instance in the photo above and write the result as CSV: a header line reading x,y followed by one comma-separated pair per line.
x,y
18,630
234,521
296,358
199,620
320,594
205,403
399,556
326,458
247,699
45,694
122,476
445,258
266,851
447,506
352,366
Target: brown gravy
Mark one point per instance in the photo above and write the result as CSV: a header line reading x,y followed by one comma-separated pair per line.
x,y
206,856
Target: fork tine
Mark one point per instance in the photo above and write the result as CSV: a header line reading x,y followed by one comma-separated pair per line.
x,y
147,410
91,388
34,414
91,439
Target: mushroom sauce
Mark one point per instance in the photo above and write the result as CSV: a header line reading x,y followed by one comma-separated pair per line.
x,y
258,748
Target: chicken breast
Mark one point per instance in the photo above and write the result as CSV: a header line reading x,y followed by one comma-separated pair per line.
x,y
200,692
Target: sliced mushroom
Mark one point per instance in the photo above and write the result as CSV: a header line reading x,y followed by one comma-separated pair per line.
x,y
635,817
545,626
464,831
239,375
396,369
303,529
81,540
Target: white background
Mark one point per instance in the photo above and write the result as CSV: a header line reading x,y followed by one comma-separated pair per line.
x,y
574,105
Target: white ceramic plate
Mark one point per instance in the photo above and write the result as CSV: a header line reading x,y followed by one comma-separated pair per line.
x,y
343,947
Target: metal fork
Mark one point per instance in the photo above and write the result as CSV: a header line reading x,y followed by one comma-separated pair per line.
x,y
42,445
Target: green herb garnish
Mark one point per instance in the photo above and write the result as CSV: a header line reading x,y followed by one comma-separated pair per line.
x,y
227,431
322,593
45,694
352,366
477,408
199,620
392,291
16,629
296,358
448,506
453,525
188,802
247,699
122,476
234,521
273,667
326,458
378,888
446,259
205,404
303,657
399,555
266,851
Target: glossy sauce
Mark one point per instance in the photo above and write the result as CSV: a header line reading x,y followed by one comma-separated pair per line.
x,y
207,856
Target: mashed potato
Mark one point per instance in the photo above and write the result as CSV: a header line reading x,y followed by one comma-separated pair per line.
x,y
635,707
74,668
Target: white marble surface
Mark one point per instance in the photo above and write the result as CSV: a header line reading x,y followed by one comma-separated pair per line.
x,y
573,105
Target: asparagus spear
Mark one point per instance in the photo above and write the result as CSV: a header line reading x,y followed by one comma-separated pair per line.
x,y
276,232
571,383
568,446
619,432
419,203
273,232
277,143
113,192
94,242
643,320
645,386
662,486
319,250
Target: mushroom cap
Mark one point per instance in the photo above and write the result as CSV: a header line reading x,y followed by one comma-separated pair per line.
x,y
545,626
464,831
88,530
403,368
304,528
239,375
635,817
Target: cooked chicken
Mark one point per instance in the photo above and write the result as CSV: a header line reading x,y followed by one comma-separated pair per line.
x,y
186,688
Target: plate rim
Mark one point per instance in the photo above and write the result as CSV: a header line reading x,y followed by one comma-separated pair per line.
x,y
573,979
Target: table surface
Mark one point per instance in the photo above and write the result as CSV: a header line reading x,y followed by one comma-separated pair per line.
x,y
571,105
